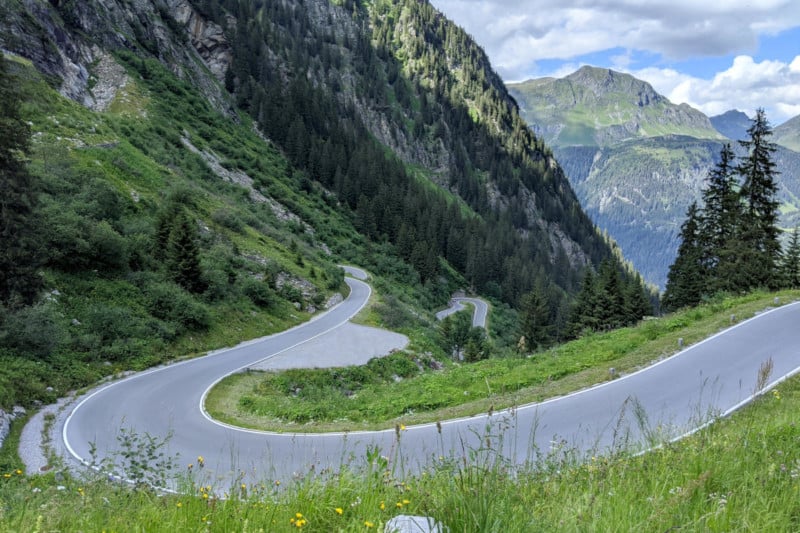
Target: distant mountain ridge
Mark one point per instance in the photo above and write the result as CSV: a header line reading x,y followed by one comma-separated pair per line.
x,y
636,160
732,124
788,134
600,107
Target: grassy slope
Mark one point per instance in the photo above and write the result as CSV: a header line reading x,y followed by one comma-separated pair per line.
x,y
264,400
134,150
739,474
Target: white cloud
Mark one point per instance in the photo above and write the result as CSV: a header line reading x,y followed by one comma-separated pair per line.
x,y
516,35
746,85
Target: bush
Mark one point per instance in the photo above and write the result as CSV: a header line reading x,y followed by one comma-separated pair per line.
x,y
35,331
169,302
259,292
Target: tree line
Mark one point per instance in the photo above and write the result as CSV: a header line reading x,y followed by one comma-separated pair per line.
x,y
732,242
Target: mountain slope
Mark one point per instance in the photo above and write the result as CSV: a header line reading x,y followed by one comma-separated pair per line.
x,y
216,159
639,160
732,124
788,134
598,107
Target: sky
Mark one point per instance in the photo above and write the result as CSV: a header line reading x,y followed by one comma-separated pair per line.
x,y
714,55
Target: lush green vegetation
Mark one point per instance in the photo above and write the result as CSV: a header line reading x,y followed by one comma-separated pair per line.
x,y
636,161
321,112
347,399
168,225
142,252
732,242
741,473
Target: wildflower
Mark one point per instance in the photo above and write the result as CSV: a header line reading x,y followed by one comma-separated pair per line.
x,y
298,515
277,482
19,472
6,476
339,511
402,427
368,524
406,502
201,462
399,505
190,466
179,505
382,506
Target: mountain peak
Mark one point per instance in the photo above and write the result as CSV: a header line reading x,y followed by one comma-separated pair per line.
x,y
788,134
732,124
604,82
599,107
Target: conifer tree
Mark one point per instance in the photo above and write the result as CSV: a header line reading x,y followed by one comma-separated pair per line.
x,y
583,312
791,261
721,214
535,319
19,260
759,232
183,255
686,280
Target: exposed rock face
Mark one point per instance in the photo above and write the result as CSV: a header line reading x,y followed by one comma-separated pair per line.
x,y
109,77
206,37
71,40
6,419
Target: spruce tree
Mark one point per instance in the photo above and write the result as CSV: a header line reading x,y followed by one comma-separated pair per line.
x,y
686,280
791,261
759,222
183,255
19,257
535,319
721,214
583,315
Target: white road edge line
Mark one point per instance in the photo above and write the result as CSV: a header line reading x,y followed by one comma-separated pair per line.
x,y
215,353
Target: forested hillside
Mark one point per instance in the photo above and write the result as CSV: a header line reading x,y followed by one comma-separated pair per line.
x,y
215,160
636,160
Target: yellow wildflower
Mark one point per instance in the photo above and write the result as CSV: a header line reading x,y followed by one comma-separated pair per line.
x,y
339,511
382,506
367,523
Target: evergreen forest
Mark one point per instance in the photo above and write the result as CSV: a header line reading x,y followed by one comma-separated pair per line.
x,y
732,243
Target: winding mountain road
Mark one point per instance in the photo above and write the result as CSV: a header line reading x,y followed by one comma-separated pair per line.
x,y
457,304
677,394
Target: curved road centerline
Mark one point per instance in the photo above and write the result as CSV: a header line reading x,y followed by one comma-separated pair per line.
x,y
679,393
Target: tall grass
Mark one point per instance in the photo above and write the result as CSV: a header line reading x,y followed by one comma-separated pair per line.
x,y
262,400
739,474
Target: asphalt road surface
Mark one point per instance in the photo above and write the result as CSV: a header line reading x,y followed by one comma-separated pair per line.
x,y
457,304
674,395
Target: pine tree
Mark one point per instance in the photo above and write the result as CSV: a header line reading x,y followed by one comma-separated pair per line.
x,y
759,222
183,255
19,257
535,319
610,308
583,315
686,280
721,215
791,261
